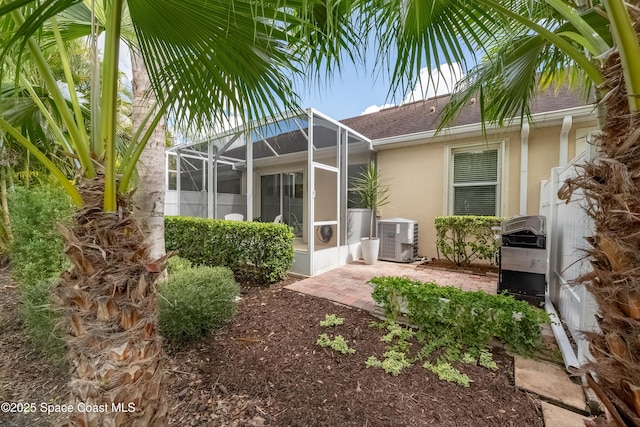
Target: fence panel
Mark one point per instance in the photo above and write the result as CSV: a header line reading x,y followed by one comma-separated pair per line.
x,y
567,228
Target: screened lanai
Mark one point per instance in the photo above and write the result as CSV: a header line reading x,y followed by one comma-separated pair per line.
x,y
296,169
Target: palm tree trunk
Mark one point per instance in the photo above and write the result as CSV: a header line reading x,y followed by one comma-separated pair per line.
x,y
108,297
611,186
149,195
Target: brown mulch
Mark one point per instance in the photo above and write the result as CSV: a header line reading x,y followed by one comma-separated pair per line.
x,y
473,268
265,369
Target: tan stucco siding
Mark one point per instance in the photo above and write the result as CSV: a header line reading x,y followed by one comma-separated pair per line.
x,y
415,178
418,178
418,181
544,154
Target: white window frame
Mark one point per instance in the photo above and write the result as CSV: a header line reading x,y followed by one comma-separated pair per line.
x,y
501,185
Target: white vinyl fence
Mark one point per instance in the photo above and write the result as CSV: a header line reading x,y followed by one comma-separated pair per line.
x,y
567,228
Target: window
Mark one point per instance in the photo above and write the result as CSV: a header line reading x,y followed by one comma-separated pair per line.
x,y
475,182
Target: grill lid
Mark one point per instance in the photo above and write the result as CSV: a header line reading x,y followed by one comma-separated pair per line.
x,y
534,224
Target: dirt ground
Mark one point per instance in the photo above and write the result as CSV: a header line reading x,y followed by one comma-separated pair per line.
x,y
475,268
265,369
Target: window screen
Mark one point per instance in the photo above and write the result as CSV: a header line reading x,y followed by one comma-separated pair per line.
x,y
172,172
475,182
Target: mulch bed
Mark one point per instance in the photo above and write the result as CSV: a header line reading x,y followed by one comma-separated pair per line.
x,y
265,369
473,268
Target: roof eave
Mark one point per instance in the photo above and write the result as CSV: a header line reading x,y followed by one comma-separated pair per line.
x,y
550,118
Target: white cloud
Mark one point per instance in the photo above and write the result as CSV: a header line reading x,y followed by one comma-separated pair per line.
x,y
433,83
375,108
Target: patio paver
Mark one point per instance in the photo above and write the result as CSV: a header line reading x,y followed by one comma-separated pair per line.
x,y
549,381
347,284
555,416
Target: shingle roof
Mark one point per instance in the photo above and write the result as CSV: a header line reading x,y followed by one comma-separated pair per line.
x,y
421,116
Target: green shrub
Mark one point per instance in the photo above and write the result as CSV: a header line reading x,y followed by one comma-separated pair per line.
x,y
36,252
469,319
176,263
194,302
262,252
41,321
37,259
464,239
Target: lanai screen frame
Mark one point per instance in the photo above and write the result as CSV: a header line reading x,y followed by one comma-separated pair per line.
x,y
231,147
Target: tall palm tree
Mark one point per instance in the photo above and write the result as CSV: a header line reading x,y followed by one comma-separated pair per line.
x,y
204,58
149,195
528,45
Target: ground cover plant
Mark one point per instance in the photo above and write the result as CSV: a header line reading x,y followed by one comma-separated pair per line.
x,y
451,326
469,318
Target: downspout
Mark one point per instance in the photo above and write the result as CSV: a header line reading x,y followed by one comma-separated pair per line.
x,y
524,167
564,141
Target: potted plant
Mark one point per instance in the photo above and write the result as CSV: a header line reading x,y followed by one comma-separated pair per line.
x,y
374,194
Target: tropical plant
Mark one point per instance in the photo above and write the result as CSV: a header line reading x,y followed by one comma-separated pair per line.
x,y
372,191
206,60
528,45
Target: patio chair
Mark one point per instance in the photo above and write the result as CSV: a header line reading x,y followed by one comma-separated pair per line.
x,y
297,226
278,219
234,217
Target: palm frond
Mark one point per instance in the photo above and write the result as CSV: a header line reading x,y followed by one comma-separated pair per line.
x,y
224,58
413,34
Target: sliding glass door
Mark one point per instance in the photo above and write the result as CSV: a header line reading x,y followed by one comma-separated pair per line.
x,y
282,194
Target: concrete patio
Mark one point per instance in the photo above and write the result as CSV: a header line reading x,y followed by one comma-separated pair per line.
x,y
347,284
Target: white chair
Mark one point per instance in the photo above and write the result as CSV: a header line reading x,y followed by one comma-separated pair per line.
x,y
234,217
297,226
278,219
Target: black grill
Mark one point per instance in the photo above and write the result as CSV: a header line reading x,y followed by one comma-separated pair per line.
x,y
524,239
523,258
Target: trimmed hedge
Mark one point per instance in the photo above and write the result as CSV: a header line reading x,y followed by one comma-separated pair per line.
x,y
262,252
194,302
466,238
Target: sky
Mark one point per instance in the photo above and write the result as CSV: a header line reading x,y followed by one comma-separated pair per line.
x,y
357,91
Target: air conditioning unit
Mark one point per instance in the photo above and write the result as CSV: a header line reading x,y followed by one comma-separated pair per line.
x,y
398,239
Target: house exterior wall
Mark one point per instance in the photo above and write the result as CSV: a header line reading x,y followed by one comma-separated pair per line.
x,y
418,173
544,154
415,179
